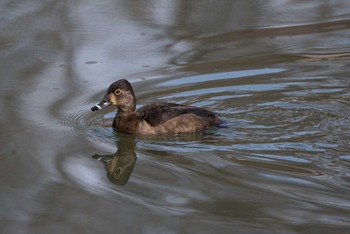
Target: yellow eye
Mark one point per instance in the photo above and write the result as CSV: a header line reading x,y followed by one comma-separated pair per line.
x,y
117,91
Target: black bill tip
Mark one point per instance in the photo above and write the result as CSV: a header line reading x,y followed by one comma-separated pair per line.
x,y
95,108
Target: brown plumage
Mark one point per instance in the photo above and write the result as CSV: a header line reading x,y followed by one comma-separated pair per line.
x,y
156,118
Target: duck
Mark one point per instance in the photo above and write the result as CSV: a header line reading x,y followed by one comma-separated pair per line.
x,y
156,118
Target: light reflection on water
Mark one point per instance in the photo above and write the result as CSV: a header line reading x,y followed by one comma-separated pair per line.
x,y
219,76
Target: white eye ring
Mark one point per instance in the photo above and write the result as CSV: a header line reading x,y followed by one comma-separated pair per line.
x,y
117,91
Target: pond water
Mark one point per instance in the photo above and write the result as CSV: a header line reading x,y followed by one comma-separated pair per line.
x,y
277,72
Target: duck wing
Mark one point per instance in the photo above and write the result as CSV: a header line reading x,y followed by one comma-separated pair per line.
x,y
158,113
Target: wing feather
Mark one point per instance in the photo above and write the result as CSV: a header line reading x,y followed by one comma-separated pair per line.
x,y
158,113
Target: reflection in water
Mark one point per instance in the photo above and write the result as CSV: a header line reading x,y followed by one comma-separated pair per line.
x,y
120,165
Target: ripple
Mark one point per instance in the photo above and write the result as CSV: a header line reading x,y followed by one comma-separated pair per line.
x,y
96,126
287,131
76,120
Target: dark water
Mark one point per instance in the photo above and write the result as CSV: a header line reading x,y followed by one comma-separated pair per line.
x,y
277,71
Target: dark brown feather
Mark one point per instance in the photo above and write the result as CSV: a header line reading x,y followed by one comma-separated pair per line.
x,y
158,113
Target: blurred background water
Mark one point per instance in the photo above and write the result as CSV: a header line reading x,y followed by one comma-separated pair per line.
x,y
276,70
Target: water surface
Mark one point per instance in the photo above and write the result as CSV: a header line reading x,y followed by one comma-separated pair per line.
x,y
277,72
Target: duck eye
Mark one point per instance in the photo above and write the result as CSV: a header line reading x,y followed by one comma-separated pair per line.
x,y
117,91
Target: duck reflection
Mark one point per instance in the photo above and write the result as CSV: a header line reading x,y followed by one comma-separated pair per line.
x,y
120,165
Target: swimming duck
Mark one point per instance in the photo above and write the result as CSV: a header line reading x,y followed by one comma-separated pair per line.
x,y
156,118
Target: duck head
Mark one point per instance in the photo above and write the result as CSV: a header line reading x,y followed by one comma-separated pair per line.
x,y
119,94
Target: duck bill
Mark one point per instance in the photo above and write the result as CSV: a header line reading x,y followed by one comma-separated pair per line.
x,y
102,104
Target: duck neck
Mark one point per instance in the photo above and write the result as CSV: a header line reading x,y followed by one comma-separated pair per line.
x,y
125,112
128,108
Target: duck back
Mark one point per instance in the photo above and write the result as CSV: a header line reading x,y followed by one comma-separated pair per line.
x,y
159,113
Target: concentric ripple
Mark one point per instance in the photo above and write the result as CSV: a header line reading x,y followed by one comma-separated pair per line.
x,y
96,126
269,121
285,136
266,116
